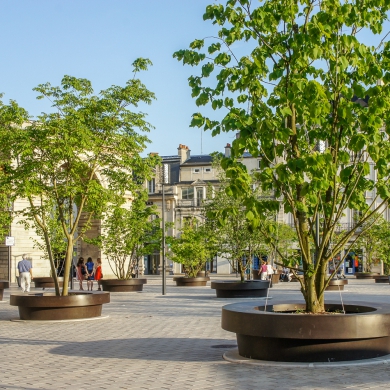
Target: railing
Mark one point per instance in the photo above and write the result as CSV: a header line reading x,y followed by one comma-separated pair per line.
x,y
190,202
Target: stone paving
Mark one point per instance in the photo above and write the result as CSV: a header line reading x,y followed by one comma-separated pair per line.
x,y
152,341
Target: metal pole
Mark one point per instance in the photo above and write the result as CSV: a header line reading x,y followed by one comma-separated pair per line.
x,y
164,282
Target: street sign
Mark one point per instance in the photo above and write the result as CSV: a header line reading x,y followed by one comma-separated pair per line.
x,y
9,241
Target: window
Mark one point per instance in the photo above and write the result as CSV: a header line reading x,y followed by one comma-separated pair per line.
x,y
151,186
196,170
187,193
207,170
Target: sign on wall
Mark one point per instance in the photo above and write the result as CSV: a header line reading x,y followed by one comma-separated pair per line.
x,y
9,241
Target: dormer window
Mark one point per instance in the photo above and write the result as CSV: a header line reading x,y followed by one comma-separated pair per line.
x,y
196,170
207,170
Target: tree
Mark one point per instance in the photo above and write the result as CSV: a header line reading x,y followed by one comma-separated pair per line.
x,y
305,97
129,234
80,158
193,248
237,239
372,241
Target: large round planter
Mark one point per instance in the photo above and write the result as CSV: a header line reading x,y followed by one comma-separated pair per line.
x,y
336,285
248,289
381,278
47,282
283,333
366,275
3,285
182,281
120,285
49,307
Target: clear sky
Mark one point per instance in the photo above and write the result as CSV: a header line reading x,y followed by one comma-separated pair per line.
x,y
42,40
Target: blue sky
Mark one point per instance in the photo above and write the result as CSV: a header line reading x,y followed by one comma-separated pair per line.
x,y
42,40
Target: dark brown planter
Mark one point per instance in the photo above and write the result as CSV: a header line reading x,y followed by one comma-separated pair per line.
x,y
182,281
282,334
296,278
336,284
48,306
47,282
248,289
381,279
366,275
121,285
3,285
201,274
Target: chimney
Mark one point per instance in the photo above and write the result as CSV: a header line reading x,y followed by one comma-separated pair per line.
x,y
184,153
228,150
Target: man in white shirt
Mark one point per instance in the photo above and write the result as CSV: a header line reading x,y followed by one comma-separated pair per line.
x,y
25,273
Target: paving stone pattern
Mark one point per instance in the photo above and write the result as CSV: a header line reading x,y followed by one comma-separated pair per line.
x,y
152,341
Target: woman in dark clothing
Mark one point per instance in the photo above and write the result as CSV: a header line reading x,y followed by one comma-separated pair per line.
x,y
90,266
81,272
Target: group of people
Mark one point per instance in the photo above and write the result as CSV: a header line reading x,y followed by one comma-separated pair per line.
x,y
89,272
266,270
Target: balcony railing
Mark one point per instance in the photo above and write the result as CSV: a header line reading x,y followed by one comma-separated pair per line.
x,y
190,202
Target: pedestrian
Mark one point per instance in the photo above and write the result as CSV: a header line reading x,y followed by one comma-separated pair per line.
x,y
81,272
25,273
342,270
98,272
270,271
90,266
263,271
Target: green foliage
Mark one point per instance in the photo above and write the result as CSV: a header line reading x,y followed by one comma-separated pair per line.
x,y
193,248
129,234
303,69
82,157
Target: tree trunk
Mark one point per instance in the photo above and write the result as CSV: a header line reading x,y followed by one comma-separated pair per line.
x,y
51,260
67,266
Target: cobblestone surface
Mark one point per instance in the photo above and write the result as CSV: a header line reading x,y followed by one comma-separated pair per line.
x,y
152,341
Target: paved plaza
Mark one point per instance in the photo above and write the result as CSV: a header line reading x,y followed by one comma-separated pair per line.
x,y
150,341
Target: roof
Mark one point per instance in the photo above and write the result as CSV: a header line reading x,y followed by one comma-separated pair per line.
x,y
199,160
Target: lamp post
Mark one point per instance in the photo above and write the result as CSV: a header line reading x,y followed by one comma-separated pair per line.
x,y
163,179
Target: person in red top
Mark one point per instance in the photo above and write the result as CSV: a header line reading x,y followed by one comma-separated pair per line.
x,y
98,271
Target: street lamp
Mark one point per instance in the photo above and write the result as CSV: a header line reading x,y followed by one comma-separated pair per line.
x,y
162,178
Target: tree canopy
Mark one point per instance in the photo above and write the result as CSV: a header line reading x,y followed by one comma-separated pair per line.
x,y
79,158
311,99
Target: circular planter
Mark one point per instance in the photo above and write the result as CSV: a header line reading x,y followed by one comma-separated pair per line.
x,y
282,334
182,281
3,285
49,307
248,289
366,275
381,279
47,282
336,284
296,278
122,285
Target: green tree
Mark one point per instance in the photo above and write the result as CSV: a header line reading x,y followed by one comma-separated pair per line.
x,y
129,234
298,96
80,158
237,239
372,241
193,248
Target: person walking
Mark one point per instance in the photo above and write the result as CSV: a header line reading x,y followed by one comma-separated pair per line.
x,y
90,266
263,271
81,272
25,273
270,271
98,272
